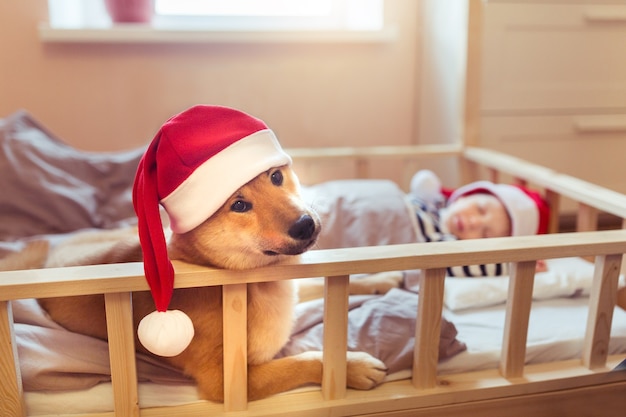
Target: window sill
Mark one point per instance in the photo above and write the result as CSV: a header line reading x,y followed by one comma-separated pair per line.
x,y
147,34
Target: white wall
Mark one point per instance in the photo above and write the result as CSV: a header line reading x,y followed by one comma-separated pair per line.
x,y
442,76
109,97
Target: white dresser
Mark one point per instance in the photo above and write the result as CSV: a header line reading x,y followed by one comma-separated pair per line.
x,y
554,85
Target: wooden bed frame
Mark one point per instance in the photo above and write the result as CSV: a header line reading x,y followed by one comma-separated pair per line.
x,y
574,387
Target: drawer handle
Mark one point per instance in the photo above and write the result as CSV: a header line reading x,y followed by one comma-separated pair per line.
x,y
600,126
606,15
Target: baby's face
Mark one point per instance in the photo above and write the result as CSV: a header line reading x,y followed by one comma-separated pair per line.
x,y
477,216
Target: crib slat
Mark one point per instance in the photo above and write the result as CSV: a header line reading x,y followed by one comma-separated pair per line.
x,y
601,305
469,170
362,168
120,331
520,181
235,318
554,202
11,392
623,270
587,218
428,328
493,174
336,291
409,168
518,305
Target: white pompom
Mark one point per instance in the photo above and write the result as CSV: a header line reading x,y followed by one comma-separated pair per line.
x,y
425,184
165,333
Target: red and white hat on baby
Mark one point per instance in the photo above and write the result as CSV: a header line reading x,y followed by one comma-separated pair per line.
x,y
528,211
196,161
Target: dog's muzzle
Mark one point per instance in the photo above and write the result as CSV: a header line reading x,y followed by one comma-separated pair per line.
x,y
304,231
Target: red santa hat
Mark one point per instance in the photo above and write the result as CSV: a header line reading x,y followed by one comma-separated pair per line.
x,y
528,211
196,161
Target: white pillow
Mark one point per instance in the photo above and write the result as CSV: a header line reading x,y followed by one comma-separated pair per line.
x,y
565,277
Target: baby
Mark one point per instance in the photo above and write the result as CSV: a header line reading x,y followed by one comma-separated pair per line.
x,y
377,212
477,210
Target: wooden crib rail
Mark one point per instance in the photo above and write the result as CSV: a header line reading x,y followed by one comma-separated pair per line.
x,y
592,196
375,152
118,281
115,278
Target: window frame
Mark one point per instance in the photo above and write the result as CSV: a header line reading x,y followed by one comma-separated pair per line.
x,y
89,23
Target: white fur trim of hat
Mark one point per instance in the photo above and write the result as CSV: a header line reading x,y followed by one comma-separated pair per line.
x,y
188,206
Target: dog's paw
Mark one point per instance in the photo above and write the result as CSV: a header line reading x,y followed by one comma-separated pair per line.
x,y
379,283
365,371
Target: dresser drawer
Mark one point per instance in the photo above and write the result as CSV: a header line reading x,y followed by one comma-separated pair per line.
x,y
539,57
590,147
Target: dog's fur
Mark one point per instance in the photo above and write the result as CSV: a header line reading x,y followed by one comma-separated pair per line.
x,y
263,222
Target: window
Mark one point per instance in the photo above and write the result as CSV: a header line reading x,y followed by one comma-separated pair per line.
x,y
232,15
243,7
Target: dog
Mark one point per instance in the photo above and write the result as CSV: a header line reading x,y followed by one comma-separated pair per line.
x,y
263,222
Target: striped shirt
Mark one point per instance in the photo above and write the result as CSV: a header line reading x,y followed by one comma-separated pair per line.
x,y
429,228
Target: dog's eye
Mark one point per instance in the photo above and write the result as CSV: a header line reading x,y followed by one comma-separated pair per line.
x,y
240,206
277,178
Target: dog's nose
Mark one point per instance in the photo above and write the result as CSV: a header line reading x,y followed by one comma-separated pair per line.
x,y
303,228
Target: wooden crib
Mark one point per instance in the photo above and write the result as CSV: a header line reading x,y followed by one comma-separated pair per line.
x,y
573,387
581,387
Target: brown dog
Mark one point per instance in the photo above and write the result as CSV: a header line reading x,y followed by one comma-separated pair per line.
x,y
260,224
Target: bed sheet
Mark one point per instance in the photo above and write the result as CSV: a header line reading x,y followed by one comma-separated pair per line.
x,y
556,331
